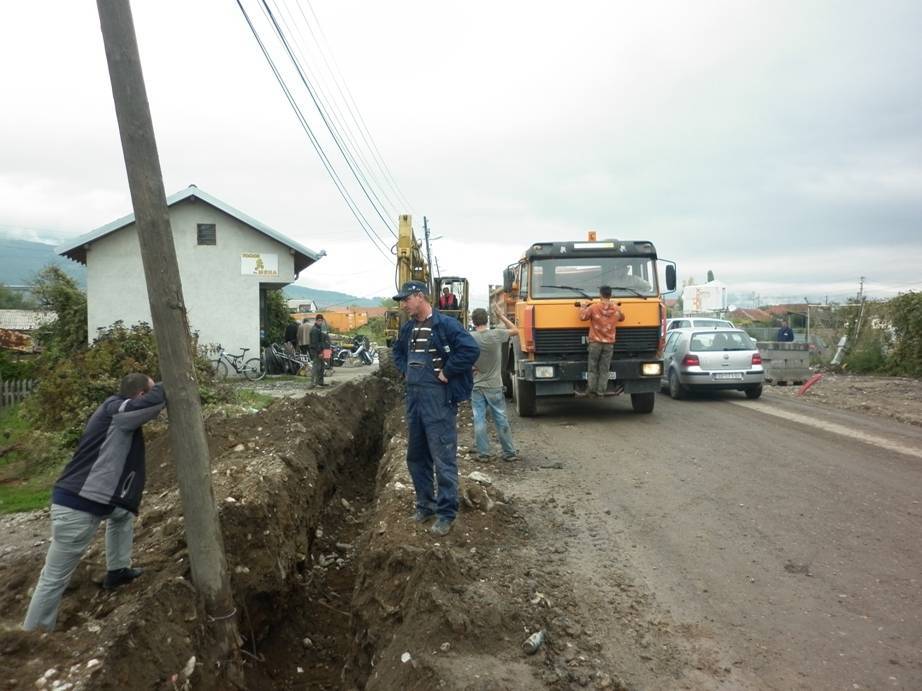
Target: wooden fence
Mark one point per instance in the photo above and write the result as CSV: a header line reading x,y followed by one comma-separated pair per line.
x,y
14,390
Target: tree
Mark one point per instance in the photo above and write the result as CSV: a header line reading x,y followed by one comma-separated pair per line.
x,y
390,303
277,316
13,300
710,275
57,292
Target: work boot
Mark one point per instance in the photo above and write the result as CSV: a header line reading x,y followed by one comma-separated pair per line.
x,y
119,577
423,516
441,527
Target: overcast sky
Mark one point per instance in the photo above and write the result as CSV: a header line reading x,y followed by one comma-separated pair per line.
x,y
778,144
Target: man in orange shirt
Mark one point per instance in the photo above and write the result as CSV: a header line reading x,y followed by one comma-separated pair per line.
x,y
602,317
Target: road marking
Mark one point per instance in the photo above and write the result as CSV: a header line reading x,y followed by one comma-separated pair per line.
x,y
831,427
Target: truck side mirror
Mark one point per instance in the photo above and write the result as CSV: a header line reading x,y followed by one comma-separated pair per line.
x,y
508,279
670,277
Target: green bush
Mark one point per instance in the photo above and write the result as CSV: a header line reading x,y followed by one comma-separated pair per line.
x,y
57,292
277,316
15,366
71,390
906,318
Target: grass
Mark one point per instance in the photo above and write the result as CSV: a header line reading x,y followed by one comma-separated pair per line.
x,y
28,465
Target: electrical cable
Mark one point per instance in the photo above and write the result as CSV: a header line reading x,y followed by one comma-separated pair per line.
x,y
330,105
323,116
357,114
363,223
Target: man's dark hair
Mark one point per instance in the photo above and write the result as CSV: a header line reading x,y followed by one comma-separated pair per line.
x,y
479,316
320,317
133,384
605,291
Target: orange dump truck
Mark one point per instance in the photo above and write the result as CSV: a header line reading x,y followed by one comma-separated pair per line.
x,y
548,355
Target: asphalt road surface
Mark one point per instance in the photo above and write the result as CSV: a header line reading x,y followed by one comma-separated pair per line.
x,y
781,541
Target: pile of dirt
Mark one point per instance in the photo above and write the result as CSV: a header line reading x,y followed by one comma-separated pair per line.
x,y
336,584
897,398
273,475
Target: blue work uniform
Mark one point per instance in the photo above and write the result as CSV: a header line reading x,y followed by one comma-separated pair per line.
x,y
432,408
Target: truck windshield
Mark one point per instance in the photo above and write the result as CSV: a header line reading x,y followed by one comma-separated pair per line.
x,y
559,277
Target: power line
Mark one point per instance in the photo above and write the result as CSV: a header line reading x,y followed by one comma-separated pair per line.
x,y
363,223
331,103
326,121
353,109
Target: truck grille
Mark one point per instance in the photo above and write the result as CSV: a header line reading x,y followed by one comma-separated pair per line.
x,y
637,339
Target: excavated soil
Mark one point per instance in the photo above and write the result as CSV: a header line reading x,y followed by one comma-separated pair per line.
x,y
337,587
897,398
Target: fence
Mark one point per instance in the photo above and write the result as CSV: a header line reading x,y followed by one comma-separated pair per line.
x,y
12,391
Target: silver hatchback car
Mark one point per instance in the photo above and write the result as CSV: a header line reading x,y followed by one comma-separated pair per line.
x,y
711,359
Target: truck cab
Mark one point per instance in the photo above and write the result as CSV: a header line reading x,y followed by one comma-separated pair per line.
x,y
548,356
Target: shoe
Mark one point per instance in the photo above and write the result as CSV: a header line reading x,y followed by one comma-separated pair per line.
x,y
512,457
441,527
119,577
580,394
483,458
423,516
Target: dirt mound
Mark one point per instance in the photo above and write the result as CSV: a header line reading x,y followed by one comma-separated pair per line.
x,y
336,585
897,398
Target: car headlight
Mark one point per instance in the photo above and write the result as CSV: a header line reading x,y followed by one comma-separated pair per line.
x,y
651,369
544,372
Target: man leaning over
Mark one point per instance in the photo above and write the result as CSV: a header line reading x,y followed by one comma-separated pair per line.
x,y
602,317
436,356
103,481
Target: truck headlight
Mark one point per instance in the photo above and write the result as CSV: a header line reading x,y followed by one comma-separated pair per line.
x,y
651,369
544,372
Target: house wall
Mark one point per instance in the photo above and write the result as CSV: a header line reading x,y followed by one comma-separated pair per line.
x,y
222,304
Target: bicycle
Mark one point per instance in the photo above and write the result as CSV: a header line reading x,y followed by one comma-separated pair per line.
x,y
253,369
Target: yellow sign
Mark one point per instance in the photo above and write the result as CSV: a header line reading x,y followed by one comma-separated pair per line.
x,y
256,264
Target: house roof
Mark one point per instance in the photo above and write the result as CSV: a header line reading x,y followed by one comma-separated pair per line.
x,y
76,248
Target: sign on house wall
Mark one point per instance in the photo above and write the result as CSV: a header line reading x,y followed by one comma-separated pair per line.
x,y
258,264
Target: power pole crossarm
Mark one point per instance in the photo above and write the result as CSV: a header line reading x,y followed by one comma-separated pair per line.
x,y
171,329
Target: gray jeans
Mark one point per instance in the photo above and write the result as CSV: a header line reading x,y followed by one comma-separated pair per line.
x,y
599,363
72,532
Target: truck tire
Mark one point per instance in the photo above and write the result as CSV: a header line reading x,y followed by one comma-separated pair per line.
x,y
525,400
643,402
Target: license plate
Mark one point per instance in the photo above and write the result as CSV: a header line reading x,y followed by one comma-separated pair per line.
x,y
728,375
611,376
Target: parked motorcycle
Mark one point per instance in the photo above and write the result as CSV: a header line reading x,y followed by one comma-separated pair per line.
x,y
360,349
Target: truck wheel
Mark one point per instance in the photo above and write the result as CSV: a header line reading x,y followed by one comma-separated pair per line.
x,y
524,394
643,402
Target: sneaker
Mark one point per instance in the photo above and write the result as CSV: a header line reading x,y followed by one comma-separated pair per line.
x,y
483,458
119,577
441,527
423,516
514,456
580,394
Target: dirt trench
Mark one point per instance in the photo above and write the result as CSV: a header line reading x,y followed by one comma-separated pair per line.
x,y
336,586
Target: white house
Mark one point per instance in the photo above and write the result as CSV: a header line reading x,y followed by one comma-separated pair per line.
x,y
227,263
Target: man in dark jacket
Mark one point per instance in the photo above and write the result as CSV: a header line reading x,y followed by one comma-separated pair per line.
x,y
103,481
291,337
318,341
436,356
785,333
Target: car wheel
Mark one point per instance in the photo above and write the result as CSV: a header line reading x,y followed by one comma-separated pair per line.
x,y
676,390
753,392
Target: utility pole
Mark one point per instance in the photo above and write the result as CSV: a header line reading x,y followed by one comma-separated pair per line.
x,y
428,254
171,329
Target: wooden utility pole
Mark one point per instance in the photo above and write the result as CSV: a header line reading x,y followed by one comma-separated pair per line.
x,y
171,328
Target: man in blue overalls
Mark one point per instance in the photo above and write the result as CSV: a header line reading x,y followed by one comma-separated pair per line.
x,y
436,356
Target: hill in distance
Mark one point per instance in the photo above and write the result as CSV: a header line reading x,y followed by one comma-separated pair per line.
x,y
329,298
21,260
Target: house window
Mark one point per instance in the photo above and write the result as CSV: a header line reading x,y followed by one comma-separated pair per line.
x,y
207,235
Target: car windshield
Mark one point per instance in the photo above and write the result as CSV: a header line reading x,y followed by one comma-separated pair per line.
x,y
717,341
564,277
712,322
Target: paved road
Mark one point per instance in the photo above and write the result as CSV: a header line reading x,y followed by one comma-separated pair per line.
x,y
783,536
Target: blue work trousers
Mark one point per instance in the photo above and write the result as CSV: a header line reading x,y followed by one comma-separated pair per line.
x,y
432,448
493,400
